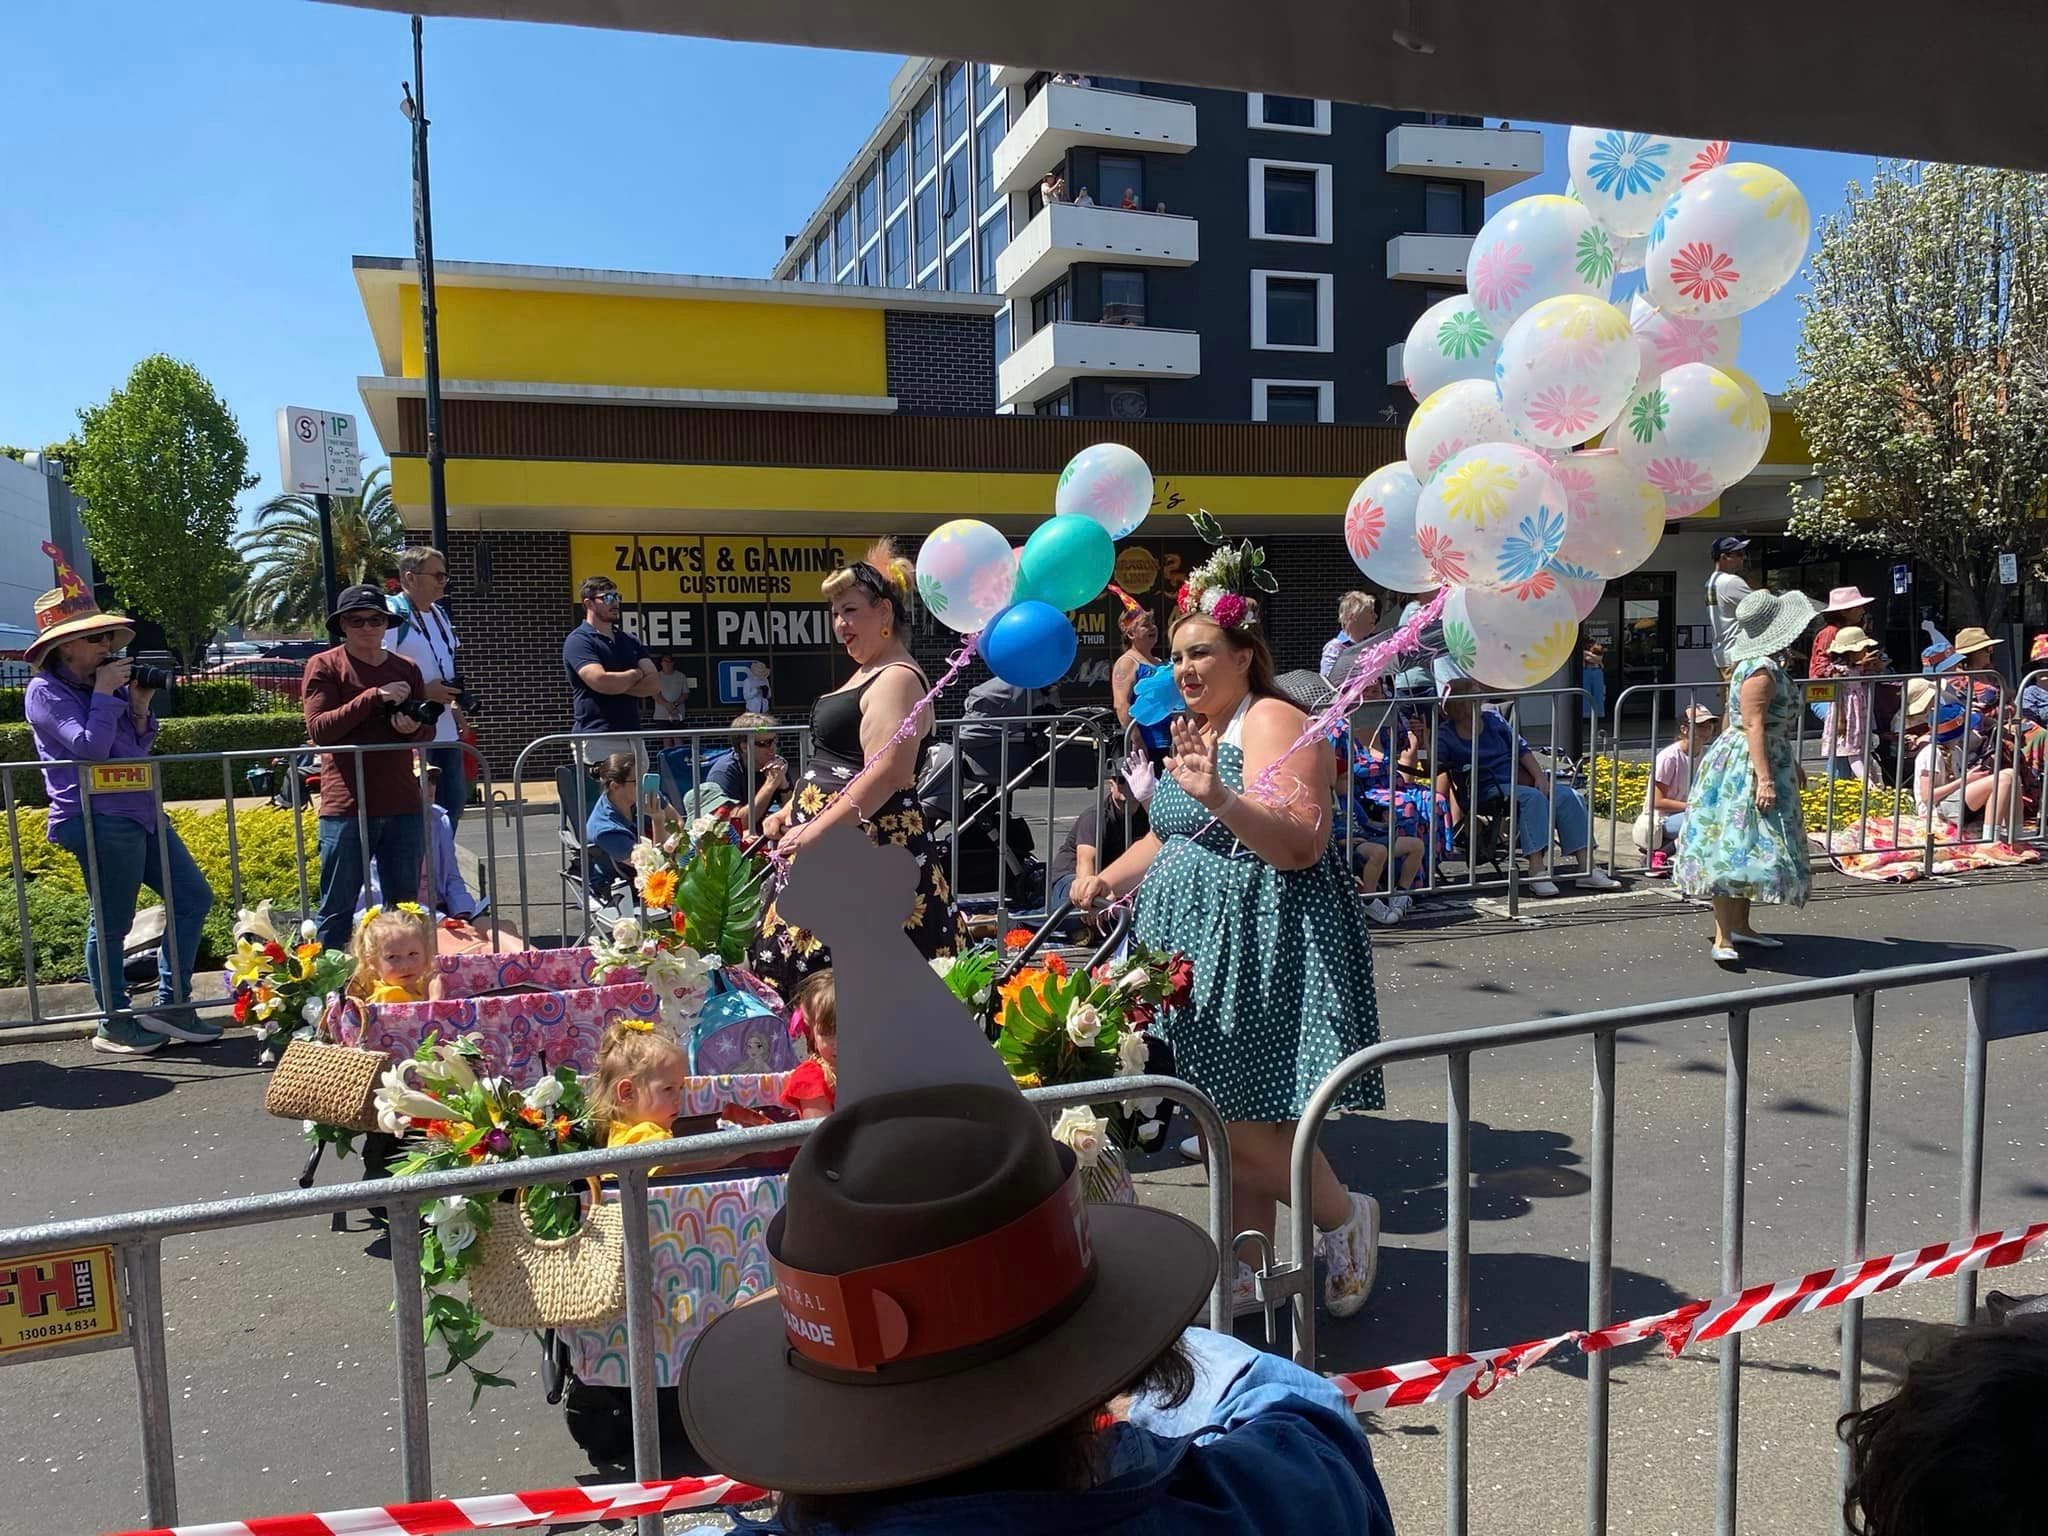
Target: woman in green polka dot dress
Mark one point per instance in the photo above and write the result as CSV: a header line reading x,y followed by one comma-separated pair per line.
x,y
1259,900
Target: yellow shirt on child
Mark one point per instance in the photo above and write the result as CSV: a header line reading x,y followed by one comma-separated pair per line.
x,y
632,1135
392,992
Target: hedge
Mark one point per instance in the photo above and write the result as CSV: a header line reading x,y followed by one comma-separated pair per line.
x,y
197,733
268,855
201,696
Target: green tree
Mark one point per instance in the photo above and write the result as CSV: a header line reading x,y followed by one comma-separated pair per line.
x,y
1924,375
283,551
159,465
67,451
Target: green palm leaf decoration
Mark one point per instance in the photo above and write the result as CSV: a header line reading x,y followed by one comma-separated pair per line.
x,y
719,896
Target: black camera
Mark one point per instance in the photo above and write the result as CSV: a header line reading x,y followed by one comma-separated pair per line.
x,y
148,677
465,696
419,711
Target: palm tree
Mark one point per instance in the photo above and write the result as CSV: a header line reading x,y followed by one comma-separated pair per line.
x,y
283,554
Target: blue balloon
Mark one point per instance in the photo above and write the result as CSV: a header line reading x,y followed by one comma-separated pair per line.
x,y
1029,644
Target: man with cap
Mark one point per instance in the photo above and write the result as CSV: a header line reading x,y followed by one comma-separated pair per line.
x,y
951,1319
359,694
1725,591
83,705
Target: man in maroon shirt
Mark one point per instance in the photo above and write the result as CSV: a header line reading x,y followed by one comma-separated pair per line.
x,y
353,697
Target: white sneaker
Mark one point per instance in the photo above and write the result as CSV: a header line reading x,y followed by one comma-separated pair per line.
x,y
1379,912
1541,885
1401,903
1351,1257
1191,1149
1597,879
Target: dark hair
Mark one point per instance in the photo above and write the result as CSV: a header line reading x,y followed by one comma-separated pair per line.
x,y
1244,637
593,585
884,575
1068,1460
1953,1450
619,768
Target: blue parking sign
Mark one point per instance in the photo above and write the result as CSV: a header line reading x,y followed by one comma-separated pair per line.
x,y
732,681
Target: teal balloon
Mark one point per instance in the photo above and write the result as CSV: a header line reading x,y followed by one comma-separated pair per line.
x,y
1067,562
1029,645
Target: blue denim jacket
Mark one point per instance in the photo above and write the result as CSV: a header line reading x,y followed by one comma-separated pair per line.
x,y
1262,1445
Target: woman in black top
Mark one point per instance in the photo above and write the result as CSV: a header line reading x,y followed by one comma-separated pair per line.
x,y
851,728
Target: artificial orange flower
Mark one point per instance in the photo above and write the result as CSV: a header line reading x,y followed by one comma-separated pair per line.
x,y
1056,965
561,1127
533,1117
659,887
1030,1080
1032,980
1017,938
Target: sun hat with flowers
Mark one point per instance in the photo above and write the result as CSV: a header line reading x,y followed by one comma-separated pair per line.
x,y
1222,587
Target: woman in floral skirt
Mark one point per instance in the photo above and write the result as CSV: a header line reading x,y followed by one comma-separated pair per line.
x,y
1744,839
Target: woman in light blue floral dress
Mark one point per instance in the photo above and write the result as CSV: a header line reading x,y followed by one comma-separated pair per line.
x,y
1744,838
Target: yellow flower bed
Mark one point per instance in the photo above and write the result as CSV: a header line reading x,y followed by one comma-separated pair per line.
x,y
1623,800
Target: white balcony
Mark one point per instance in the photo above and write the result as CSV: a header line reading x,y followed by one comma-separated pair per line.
x,y
1064,233
1496,157
1428,258
1052,357
1007,75
1397,368
1065,117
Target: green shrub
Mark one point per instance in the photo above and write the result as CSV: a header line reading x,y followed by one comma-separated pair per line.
x,y
197,733
13,704
266,851
212,696
57,918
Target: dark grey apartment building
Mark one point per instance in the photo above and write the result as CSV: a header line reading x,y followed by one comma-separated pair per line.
x,y
1206,255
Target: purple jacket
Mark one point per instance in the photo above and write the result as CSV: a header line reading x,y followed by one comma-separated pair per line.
x,y
70,721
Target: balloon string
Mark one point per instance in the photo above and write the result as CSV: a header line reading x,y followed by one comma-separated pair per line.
x,y
957,663
1370,667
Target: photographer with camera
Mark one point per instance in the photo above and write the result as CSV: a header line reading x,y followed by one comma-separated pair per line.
x,y
422,634
359,694
84,704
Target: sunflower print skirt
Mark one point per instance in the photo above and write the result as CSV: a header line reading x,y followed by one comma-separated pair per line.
x,y
784,955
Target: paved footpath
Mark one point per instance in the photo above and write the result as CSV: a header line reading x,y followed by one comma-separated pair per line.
x,y
280,1351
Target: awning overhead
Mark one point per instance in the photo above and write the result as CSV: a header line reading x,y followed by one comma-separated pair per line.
x,y
1960,82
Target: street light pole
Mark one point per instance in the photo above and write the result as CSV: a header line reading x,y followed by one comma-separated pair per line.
x,y
415,109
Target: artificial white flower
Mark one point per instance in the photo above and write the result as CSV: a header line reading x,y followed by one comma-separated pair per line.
x,y
451,1064
1084,1023
544,1095
452,1223
311,1011
1083,1132
647,857
626,933
399,1102
309,1126
942,967
254,922
308,931
267,1009
1134,980
705,826
1132,1054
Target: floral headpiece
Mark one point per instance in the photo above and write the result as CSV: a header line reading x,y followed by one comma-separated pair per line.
x,y
1222,587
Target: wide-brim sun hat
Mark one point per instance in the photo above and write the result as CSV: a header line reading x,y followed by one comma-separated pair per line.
x,y
1767,623
67,612
1849,639
362,598
1971,640
1843,599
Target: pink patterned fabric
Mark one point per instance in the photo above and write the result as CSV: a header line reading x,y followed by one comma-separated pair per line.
x,y
560,969
523,1036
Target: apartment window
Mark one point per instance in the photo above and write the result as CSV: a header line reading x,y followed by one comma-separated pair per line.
x,y
1002,335
1297,400
924,137
1061,404
929,277
1055,303
953,204
927,214
995,234
870,226
1443,208
1287,114
952,104
842,234
896,246
1290,201
871,267
806,269
1123,296
960,268
986,137
1119,172
894,161
985,90
1292,311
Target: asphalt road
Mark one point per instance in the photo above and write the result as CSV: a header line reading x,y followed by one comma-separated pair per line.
x,y
281,1358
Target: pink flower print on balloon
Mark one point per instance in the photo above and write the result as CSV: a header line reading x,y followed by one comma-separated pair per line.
x,y
1500,276
990,587
1686,486
1446,450
1714,153
1576,482
1564,412
1365,520
1703,274
1683,339
1445,560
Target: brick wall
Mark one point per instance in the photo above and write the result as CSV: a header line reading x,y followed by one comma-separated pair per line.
x,y
941,365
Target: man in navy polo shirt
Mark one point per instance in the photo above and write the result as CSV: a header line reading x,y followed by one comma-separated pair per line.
x,y
609,674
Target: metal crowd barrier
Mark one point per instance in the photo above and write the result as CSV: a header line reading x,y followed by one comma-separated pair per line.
x,y
2026,970
146,775
138,1238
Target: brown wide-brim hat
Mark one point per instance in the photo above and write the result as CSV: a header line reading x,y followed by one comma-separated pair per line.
x,y
96,623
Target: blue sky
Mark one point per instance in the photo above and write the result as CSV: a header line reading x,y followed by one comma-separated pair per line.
x,y
194,180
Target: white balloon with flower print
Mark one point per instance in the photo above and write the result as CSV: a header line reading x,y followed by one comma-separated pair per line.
x,y
1379,529
1624,178
1665,341
1493,518
1534,249
1614,517
966,574
1567,367
1692,432
1726,242
1458,416
1109,483
1508,642
1451,341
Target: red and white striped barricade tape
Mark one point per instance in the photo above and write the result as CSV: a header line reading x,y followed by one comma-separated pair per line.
x,y
490,1512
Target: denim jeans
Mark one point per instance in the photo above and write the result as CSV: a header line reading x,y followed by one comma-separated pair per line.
x,y
129,857
397,843
451,791
1532,820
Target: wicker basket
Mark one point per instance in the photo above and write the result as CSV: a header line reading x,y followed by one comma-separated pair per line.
x,y
333,1084
522,1281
